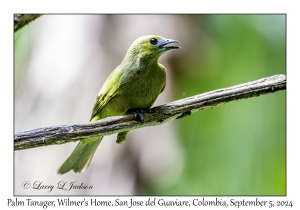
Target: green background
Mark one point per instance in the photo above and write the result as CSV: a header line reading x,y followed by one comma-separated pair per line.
x,y
238,148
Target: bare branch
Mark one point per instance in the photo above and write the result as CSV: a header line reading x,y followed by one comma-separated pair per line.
x,y
155,116
22,20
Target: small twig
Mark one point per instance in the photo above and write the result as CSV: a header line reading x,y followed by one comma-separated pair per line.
x,y
155,116
22,20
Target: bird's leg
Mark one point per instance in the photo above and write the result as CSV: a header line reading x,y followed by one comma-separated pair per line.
x,y
138,114
121,137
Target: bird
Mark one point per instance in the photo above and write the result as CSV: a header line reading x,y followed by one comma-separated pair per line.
x,y
131,87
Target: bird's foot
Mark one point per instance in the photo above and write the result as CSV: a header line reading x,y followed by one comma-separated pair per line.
x,y
138,114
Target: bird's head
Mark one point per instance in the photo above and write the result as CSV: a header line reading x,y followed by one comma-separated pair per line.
x,y
151,46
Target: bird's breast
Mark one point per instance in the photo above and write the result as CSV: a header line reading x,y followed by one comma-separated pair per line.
x,y
142,87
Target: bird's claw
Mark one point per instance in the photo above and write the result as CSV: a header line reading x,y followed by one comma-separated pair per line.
x,y
138,114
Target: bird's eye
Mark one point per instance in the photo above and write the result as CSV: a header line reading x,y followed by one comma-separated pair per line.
x,y
153,41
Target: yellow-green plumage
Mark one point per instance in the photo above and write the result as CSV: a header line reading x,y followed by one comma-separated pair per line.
x,y
134,84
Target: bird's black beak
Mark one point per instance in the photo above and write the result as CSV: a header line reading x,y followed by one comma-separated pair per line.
x,y
169,41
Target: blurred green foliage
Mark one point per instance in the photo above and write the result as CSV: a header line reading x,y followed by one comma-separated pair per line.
x,y
238,148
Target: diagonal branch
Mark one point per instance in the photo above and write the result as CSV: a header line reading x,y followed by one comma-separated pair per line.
x,y
21,20
156,116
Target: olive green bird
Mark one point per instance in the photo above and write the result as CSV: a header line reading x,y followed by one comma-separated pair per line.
x,y
134,84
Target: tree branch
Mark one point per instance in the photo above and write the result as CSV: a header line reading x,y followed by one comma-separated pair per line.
x,y
22,20
156,116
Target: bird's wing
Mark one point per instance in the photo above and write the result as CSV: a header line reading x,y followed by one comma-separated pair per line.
x,y
108,91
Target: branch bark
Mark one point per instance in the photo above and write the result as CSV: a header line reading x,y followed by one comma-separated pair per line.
x,y
22,20
62,134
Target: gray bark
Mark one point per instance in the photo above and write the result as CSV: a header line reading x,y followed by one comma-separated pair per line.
x,y
62,134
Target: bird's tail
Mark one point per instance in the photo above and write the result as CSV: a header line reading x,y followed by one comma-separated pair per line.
x,y
80,158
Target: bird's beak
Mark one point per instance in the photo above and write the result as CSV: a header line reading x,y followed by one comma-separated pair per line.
x,y
169,41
